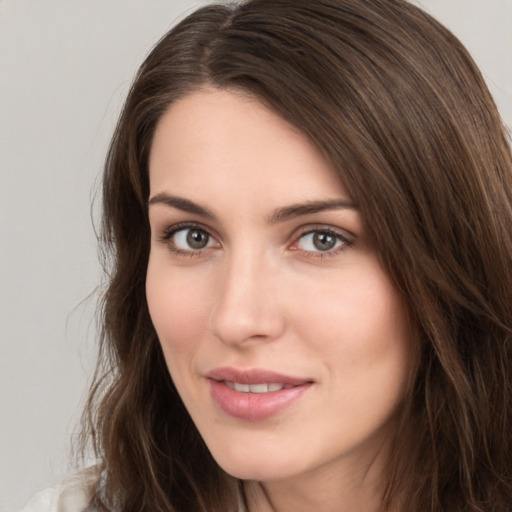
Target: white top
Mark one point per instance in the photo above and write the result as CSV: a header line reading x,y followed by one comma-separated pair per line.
x,y
72,495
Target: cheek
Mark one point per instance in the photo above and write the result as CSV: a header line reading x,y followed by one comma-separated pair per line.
x,y
178,307
359,326
354,306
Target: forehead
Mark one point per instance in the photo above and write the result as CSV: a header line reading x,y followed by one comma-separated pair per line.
x,y
218,142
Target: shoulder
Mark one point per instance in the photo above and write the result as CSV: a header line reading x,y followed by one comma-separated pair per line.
x,y
72,495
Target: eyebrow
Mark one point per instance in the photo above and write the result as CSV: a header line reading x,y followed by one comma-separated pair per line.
x,y
279,215
182,204
308,208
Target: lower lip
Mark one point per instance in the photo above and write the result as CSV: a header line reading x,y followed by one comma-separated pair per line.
x,y
254,406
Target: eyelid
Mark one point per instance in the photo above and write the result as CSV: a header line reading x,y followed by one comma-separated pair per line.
x,y
173,228
314,227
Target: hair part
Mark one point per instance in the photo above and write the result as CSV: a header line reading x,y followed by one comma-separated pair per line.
x,y
395,102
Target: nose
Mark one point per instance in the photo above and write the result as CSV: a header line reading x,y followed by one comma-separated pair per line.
x,y
248,302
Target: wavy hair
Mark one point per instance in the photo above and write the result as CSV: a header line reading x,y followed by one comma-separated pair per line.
x,y
395,102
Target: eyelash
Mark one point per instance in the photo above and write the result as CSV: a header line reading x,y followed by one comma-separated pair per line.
x,y
169,233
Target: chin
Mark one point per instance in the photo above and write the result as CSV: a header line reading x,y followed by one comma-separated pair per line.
x,y
258,472
256,464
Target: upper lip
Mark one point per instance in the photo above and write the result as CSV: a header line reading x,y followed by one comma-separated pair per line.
x,y
254,376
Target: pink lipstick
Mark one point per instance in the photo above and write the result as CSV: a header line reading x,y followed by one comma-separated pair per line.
x,y
256,394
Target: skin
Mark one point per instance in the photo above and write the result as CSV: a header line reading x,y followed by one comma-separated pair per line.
x,y
261,294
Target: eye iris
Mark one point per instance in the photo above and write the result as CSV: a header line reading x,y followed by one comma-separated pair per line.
x,y
324,241
197,239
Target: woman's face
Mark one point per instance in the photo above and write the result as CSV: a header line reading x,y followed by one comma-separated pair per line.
x,y
285,338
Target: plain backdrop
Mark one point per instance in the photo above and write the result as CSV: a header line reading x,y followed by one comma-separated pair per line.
x,y
65,68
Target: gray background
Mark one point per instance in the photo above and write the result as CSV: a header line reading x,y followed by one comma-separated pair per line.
x,y
65,67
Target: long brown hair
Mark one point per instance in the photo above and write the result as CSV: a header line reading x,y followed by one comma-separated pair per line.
x,y
395,102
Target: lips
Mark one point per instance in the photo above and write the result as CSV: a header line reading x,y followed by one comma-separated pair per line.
x,y
254,394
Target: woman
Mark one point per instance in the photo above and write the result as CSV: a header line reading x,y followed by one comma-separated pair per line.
x,y
307,211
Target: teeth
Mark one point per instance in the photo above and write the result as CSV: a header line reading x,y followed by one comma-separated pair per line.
x,y
254,388
259,388
243,388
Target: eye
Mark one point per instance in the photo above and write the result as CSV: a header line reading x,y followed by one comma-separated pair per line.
x,y
191,238
188,239
321,241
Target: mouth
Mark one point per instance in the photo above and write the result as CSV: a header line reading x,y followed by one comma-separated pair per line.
x,y
256,394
